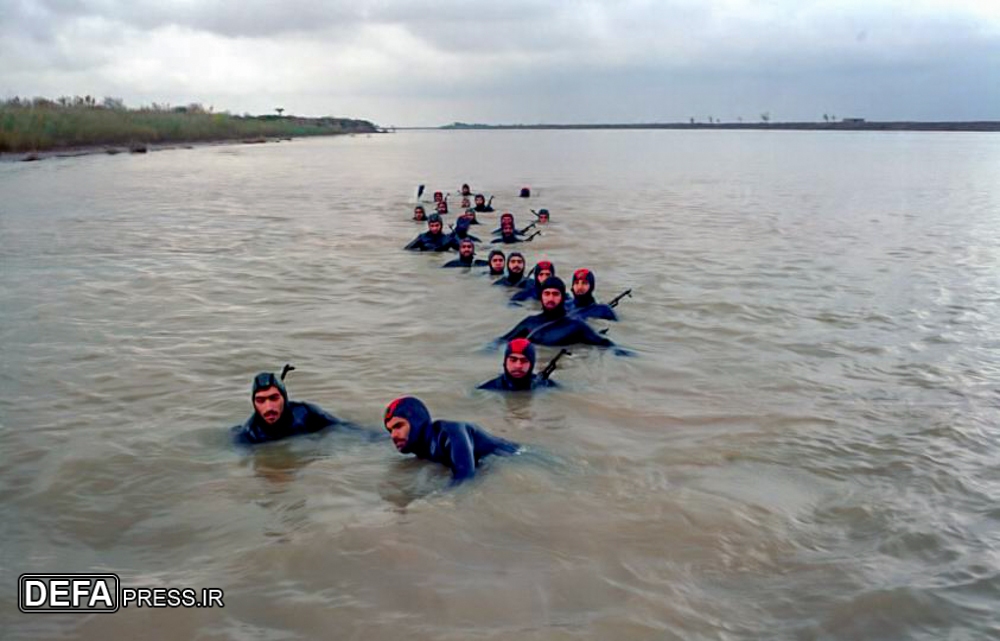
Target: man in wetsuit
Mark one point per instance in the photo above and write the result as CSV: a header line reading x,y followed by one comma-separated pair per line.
x,y
509,233
441,208
275,417
518,370
506,224
496,261
419,213
470,215
460,233
584,305
480,204
466,256
543,270
431,240
457,445
543,216
465,191
515,272
552,326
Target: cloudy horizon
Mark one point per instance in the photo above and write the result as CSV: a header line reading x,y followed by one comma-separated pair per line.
x,y
428,63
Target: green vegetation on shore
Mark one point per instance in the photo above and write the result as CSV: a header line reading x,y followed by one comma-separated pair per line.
x,y
45,125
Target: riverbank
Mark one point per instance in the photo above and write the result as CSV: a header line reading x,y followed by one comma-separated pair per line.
x,y
38,130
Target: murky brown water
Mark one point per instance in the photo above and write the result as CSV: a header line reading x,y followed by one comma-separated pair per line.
x,y
804,447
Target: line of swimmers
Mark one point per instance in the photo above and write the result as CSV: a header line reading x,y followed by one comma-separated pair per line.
x,y
458,445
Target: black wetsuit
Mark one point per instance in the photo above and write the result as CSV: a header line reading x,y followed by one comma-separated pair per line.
x,y
427,241
531,289
508,239
591,310
298,418
457,445
528,291
556,331
513,280
471,261
507,383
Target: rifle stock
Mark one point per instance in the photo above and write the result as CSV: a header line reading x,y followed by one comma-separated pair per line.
x,y
551,367
617,299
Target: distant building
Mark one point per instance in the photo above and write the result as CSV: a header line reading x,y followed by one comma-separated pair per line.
x,y
853,121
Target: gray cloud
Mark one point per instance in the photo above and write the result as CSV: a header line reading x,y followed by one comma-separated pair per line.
x,y
570,60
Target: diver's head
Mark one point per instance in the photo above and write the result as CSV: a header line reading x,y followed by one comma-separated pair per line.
x,y
269,397
479,200
515,263
434,224
519,358
583,283
466,248
465,190
496,260
442,207
419,213
545,270
543,216
405,418
553,296
438,196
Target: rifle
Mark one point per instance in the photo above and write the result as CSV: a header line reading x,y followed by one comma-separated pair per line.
x,y
534,212
528,239
551,367
614,301
525,230
489,203
287,368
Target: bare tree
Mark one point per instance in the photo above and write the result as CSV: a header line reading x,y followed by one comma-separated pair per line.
x,y
280,110
765,117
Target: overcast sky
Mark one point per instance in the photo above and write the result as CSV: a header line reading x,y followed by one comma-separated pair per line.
x,y
432,62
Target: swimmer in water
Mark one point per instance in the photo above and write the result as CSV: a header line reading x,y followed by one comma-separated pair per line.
x,y
481,205
552,326
518,370
431,240
515,272
583,304
533,289
466,256
275,417
459,446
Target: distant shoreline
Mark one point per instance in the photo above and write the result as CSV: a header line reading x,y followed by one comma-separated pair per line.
x,y
41,128
902,125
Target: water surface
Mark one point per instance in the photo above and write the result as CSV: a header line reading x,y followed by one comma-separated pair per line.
x,y
803,447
